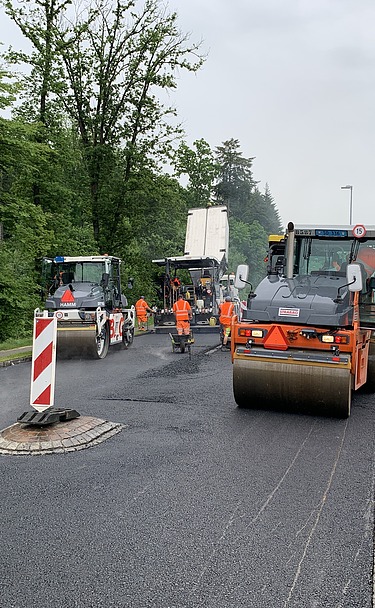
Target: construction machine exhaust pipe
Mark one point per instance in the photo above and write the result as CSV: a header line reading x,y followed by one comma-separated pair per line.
x,y
290,251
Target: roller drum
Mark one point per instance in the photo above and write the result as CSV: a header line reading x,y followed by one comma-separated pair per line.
x,y
293,386
77,342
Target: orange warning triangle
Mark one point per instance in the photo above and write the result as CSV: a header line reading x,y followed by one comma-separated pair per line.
x,y
67,296
275,339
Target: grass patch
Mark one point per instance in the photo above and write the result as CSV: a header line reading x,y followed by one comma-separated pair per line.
x,y
15,357
15,343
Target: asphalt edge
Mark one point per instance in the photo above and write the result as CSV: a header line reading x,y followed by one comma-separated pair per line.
x,y
9,362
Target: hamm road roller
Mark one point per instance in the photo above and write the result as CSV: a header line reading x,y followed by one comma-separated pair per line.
x,y
84,293
307,337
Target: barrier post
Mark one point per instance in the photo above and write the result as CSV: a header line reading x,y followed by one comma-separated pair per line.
x,y
43,365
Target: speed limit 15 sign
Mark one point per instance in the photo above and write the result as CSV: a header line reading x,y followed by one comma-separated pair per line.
x,y
359,231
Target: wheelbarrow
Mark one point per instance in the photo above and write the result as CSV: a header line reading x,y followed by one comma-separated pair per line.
x,y
180,343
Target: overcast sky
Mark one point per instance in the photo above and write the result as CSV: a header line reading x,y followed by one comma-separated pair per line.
x,y
294,82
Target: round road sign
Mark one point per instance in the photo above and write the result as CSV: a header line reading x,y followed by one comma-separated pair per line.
x,y
359,231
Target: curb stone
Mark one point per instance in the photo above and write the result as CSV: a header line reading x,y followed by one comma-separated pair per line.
x,y
58,438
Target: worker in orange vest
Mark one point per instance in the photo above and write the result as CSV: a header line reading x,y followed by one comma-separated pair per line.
x,y
183,313
226,311
141,310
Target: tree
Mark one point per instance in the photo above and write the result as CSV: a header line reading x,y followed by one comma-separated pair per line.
x,y
91,132
248,245
38,22
32,231
200,167
253,215
273,213
260,207
121,59
153,228
235,180
110,62
8,88
23,225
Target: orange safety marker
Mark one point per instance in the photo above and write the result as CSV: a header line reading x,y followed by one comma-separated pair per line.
x,y
67,297
43,361
275,339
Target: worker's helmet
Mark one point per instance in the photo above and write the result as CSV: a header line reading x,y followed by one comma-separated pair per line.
x,y
228,299
142,297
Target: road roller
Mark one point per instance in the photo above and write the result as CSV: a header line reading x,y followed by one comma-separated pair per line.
x,y
307,337
84,293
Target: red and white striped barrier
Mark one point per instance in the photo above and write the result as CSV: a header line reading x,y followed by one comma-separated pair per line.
x,y
43,361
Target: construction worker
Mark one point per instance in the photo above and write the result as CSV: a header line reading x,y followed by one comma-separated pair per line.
x,y
183,313
226,311
336,264
141,310
175,283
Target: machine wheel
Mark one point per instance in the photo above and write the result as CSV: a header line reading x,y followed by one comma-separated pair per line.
x,y
370,384
182,345
127,337
102,342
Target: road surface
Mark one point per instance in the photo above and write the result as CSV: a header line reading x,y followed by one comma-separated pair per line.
x,y
196,503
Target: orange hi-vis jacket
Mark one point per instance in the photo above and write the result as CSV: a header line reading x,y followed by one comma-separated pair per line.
x,y
141,307
226,313
182,310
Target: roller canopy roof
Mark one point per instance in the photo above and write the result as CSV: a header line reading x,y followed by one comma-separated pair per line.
x,y
339,231
187,263
84,258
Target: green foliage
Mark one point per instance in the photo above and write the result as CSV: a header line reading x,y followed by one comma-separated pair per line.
x,y
123,55
18,291
59,223
154,229
253,216
80,158
8,89
15,343
104,70
200,167
235,180
228,175
248,245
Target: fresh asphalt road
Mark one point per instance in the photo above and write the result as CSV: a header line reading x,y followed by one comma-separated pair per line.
x,y
196,503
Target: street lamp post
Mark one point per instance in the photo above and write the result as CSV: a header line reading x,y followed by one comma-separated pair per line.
x,y
351,201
